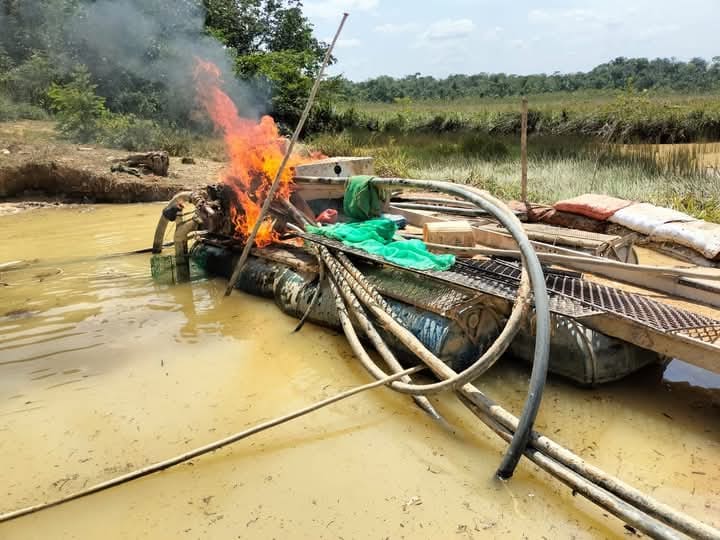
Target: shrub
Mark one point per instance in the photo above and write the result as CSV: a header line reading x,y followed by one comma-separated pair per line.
x,y
11,110
30,81
342,144
128,132
79,109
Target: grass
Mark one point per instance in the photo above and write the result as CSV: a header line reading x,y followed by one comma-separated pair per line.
x,y
623,116
559,166
11,110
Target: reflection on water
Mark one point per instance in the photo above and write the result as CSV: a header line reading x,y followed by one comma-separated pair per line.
x,y
680,372
102,370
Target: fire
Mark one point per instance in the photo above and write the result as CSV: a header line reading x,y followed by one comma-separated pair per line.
x,y
255,151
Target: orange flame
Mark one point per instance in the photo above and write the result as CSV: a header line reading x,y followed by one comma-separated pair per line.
x,y
255,151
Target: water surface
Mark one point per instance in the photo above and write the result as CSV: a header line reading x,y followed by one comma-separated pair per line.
x,y
103,371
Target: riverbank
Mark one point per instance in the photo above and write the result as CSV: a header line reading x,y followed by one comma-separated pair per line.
x,y
36,165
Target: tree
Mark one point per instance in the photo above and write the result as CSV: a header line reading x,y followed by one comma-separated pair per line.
x,y
77,105
659,74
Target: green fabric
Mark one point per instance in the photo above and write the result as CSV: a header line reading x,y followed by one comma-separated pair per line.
x,y
362,199
377,236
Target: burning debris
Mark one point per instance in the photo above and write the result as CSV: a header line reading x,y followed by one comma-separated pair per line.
x,y
255,151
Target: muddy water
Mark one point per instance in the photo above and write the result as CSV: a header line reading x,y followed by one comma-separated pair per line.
x,y
102,371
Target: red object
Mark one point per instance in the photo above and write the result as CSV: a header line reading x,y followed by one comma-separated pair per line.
x,y
327,216
591,205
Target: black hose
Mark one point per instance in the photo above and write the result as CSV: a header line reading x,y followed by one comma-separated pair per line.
x,y
530,261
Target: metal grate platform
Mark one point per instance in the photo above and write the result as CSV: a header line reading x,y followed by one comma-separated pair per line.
x,y
601,298
635,318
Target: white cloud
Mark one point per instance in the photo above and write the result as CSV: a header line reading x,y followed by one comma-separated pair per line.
x,y
493,34
328,9
347,43
657,31
448,29
392,28
576,16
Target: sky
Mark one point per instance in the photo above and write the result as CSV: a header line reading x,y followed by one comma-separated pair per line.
x,y
442,37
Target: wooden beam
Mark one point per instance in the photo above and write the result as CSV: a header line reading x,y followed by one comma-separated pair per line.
x,y
523,149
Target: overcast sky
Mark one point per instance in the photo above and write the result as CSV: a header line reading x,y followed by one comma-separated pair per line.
x,y
440,37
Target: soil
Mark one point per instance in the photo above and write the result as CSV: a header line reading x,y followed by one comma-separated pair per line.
x,y
35,165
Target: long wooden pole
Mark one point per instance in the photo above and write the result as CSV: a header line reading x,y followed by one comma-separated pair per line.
x,y
276,182
212,447
523,149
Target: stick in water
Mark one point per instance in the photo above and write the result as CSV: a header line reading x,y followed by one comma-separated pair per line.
x,y
162,465
276,182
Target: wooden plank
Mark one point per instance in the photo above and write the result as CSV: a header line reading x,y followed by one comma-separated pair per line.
x,y
693,351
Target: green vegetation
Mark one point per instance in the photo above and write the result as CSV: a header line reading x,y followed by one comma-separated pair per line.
x,y
621,116
697,75
559,166
121,72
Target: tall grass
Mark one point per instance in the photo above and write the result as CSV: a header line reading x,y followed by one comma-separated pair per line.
x,y
559,166
625,116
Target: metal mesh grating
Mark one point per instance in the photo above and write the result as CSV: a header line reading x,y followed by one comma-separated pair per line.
x,y
421,291
570,295
641,309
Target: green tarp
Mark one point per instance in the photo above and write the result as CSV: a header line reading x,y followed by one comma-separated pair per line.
x,y
362,199
377,236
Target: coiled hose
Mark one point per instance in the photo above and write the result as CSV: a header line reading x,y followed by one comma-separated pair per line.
x,y
532,266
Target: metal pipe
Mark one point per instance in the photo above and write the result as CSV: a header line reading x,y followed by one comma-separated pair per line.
x,y
341,291
585,262
613,504
562,455
163,222
489,357
433,200
575,481
444,209
450,380
567,458
182,261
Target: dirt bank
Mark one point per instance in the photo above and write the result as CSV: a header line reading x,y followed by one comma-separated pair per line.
x,y
36,165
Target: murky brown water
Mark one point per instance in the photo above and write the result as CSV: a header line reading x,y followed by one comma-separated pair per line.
x,y
102,371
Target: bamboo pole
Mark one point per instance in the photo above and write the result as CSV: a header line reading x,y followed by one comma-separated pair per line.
x,y
187,456
475,400
523,149
276,182
618,498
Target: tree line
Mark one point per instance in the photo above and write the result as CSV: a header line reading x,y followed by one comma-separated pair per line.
x,y
136,57
695,76
120,72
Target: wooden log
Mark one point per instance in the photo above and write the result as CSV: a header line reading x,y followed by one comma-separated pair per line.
x,y
157,162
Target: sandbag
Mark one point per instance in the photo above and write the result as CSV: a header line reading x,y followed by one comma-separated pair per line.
x,y
592,205
573,221
645,218
702,236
